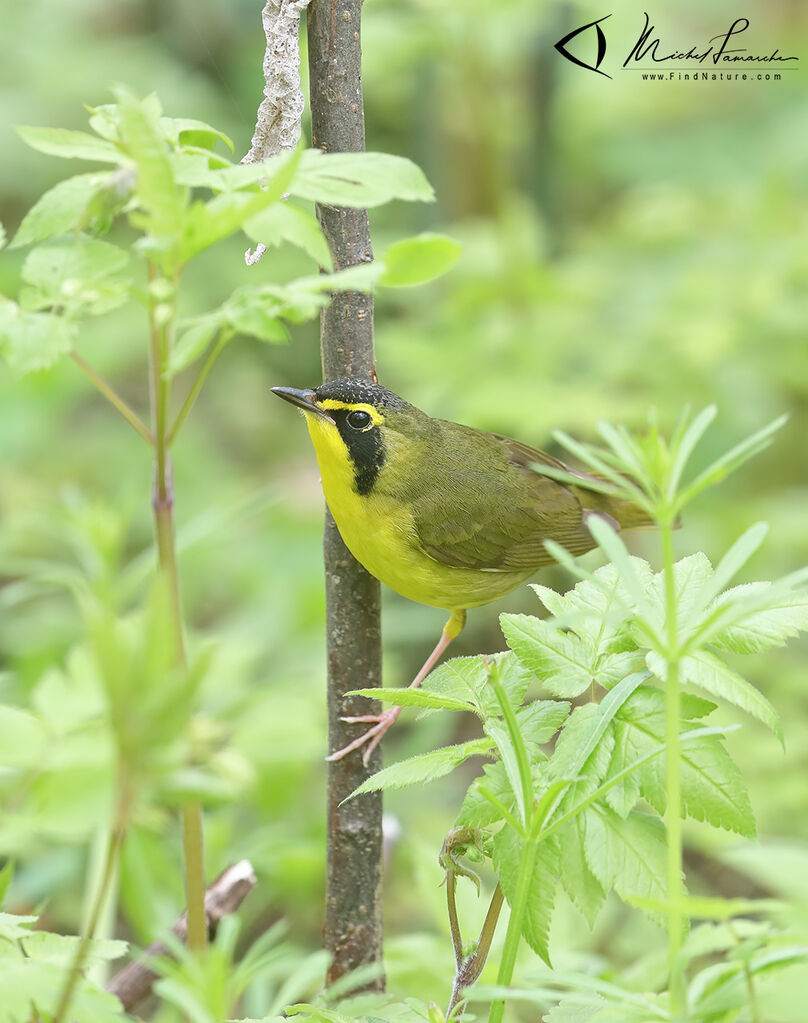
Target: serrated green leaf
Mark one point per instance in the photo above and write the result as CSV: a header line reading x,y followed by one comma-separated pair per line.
x,y
479,812
359,179
629,855
283,222
507,850
418,260
424,767
568,761
765,628
466,679
712,787
33,341
560,660
584,889
708,672
540,720
58,211
690,575
413,698
69,144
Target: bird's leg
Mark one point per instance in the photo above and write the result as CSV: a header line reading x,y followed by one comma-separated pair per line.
x,y
381,722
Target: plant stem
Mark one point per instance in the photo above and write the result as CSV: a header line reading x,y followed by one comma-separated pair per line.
x,y
188,404
470,968
163,505
114,398
673,816
116,836
513,935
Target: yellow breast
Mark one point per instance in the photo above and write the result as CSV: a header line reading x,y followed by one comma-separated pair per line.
x,y
380,533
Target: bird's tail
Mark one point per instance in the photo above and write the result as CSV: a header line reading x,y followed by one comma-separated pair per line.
x,y
622,513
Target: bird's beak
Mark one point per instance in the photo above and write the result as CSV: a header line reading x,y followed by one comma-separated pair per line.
x,y
303,399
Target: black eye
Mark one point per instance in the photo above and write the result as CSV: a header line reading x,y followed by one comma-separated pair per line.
x,y
358,419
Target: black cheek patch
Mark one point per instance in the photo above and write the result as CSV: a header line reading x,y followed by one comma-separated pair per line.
x,y
366,450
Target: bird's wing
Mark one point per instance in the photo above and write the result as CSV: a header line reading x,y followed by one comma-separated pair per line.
x,y
496,515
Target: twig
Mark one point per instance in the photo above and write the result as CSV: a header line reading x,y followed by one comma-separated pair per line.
x,y
277,125
134,982
114,398
353,923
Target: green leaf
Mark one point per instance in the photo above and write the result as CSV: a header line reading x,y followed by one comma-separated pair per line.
x,y
14,926
208,222
77,276
690,576
712,787
424,767
466,679
248,312
359,179
568,759
283,222
596,608
419,259
156,190
56,269
59,210
507,751
584,889
765,628
628,854
6,877
706,671
33,341
731,460
560,660
540,720
191,343
413,698
507,851
479,812
177,129
69,144
23,737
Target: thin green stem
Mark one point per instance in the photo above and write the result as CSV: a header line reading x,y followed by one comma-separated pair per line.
x,y
114,398
470,968
161,337
116,837
196,387
673,816
522,759
513,935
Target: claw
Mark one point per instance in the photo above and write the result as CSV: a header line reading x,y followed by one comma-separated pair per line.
x,y
372,736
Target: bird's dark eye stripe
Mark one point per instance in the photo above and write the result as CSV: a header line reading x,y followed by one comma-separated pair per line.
x,y
358,419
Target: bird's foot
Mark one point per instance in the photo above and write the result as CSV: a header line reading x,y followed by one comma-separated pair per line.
x,y
372,737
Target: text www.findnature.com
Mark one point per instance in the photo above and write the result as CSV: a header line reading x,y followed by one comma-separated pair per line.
x,y
708,76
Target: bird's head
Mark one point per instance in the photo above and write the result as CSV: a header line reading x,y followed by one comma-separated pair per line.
x,y
355,422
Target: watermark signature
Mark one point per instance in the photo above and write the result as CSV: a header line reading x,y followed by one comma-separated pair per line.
x,y
718,58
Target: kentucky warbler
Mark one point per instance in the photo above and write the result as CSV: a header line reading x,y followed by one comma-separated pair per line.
x,y
441,513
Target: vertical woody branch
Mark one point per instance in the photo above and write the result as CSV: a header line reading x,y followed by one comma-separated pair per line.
x,y
353,925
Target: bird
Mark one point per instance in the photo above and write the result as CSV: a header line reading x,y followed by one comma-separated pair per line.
x,y
444,514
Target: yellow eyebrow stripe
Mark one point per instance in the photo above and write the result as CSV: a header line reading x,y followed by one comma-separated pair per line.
x,y
329,404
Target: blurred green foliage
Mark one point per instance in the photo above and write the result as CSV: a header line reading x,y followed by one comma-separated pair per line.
x,y
624,247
